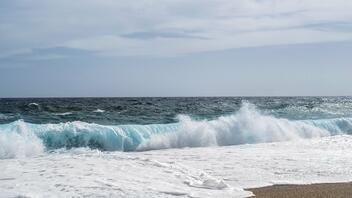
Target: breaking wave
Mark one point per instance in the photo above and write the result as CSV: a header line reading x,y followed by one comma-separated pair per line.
x,y
247,126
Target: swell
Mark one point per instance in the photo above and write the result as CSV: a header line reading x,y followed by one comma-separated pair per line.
x,y
247,126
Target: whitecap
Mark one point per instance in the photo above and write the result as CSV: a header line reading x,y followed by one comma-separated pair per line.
x,y
99,111
33,104
63,114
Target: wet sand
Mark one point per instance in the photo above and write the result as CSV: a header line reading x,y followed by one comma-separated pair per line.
x,y
333,190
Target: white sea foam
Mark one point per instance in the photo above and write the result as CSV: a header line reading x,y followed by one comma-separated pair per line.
x,y
33,104
63,114
99,111
191,172
246,126
18,142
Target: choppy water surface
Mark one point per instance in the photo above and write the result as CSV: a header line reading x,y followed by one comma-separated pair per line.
x,y
117,111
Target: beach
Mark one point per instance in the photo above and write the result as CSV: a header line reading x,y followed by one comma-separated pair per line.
x,y
327,190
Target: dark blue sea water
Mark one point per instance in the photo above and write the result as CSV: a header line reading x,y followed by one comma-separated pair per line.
x,y
117,111
136,124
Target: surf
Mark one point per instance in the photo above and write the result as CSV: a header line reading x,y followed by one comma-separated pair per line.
x,y
247,126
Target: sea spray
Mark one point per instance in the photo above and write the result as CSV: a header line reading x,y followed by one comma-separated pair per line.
x,y
248,125
17,141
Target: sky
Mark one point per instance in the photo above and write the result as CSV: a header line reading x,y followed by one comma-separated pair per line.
x,y
122,48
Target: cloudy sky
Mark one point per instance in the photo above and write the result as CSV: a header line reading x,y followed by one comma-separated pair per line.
x,y
175,47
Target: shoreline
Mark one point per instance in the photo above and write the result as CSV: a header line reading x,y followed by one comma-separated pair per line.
x,y
320,190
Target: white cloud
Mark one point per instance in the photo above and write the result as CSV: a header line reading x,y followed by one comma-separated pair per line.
x,y
99,24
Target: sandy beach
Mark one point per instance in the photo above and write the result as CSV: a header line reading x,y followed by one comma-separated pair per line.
x,y
333,190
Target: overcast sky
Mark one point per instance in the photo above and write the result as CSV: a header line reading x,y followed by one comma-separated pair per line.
x,y
175,47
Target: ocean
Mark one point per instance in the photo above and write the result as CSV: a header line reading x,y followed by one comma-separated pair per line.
x,y
165,147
